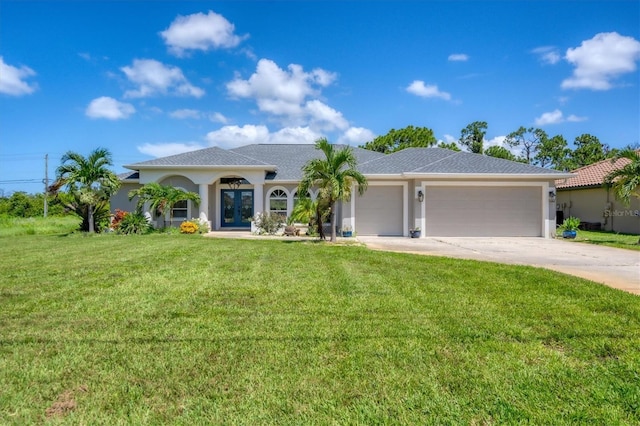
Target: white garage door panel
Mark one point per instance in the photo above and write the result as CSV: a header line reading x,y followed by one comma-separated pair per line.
x,y
483,211
379,211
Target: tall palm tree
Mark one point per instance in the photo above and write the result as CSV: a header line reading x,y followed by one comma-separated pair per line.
x,y
334,175
89,181
625,181
162,198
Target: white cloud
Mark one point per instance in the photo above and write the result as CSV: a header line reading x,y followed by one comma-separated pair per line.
x,y
553,117
273,83
601,59
547,54
234,136
283,94
165,149
291,135
458,57
324,117
449,138
418,88
109,108
556,117
356,136
155,78
182,114
200,32
12,79
575,119
217,117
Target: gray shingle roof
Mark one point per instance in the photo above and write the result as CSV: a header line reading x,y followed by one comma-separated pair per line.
x,y
284,162
213,156
440,160
290,158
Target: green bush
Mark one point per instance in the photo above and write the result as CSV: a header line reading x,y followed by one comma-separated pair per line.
x,y
134,223
268,223
570,224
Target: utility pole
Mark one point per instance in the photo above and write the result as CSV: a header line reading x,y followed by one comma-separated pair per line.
x,y
46,183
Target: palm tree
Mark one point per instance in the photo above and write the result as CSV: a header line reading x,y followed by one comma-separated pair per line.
x,y
310,212
625,181
162,198
334,175
88,180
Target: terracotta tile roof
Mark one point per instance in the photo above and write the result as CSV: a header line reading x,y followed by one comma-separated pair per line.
x,y
591,175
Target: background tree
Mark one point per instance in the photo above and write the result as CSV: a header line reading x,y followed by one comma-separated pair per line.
x,y
89,182
472,137
396,140
553,152
162,198
451,145
334,175
500,152
625,181
527,140
588,150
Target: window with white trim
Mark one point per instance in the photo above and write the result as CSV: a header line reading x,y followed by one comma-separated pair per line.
x,y
278,202
180,210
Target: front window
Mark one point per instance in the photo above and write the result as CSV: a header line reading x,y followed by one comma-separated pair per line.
x,y
278,202
179,210
296,198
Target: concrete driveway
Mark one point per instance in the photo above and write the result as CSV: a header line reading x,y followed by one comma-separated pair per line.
x,y
617,268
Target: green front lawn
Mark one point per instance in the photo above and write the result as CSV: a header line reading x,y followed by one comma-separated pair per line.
x,y
184,329
607,238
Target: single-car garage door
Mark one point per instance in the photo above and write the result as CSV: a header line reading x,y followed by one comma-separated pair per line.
x,y
379,211
476,211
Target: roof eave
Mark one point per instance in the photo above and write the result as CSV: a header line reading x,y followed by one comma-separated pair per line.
x,y
137,167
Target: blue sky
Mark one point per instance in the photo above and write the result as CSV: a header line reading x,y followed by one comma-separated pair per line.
x,y
147,79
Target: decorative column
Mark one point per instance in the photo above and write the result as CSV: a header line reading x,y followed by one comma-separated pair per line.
x,y
258,198
203,190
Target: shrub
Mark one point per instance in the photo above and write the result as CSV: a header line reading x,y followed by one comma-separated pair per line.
x,y
117,218
268,222
203,225
570,224
188,227
134,223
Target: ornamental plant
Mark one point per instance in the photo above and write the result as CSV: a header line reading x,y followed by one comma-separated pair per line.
x,y
188,227
117,218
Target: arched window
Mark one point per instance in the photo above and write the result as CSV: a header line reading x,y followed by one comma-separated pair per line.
x,y
278,202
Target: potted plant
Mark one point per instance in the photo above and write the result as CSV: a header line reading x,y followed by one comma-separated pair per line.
x,y
414,232
570,227
347,231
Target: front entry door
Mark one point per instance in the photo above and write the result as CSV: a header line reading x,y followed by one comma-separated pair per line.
x,y
237,208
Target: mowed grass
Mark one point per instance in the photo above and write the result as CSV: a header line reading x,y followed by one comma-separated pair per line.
x,y
189,330
611,239
14,226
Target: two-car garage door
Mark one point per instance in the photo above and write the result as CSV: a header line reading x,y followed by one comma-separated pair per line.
x,y
454,211
477,211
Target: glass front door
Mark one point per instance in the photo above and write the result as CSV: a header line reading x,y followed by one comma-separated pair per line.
x,y
237,208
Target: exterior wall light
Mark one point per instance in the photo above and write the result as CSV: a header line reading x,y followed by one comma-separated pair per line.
x,y
552,196
420,196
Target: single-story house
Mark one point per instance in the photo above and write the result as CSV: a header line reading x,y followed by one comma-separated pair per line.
x,y
584,196
442,192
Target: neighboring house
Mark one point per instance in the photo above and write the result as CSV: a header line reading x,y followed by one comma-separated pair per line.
x,y
584,196
443,192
